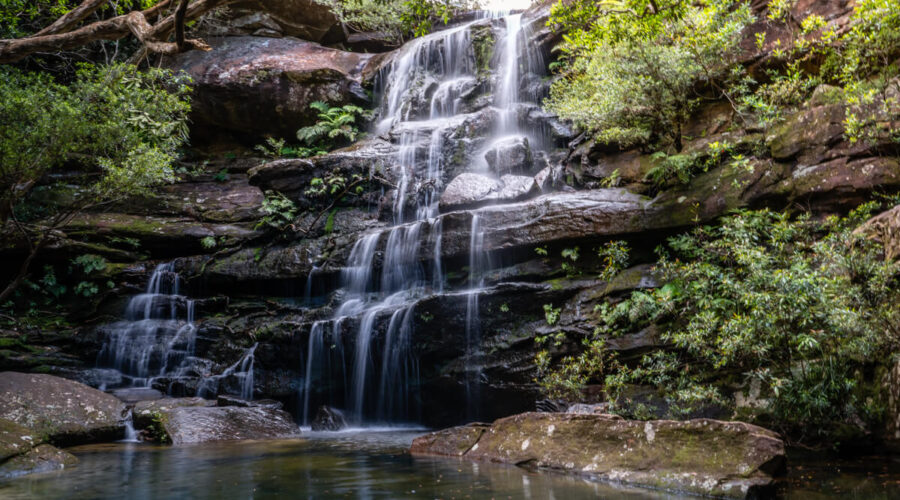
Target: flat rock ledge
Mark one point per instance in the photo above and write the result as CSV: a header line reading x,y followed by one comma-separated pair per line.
x,y
201,424
25,452
63,411
702,456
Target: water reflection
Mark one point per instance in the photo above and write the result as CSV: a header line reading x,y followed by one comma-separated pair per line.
x,y
360,465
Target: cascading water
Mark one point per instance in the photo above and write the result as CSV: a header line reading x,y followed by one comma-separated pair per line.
x,y
427,95
157,338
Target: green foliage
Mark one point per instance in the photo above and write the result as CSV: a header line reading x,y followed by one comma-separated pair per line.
x,y
397,19
614,256
797,305
332,184
123,124
632,71
90,263
570,257
279,211
335,125
684,167
208,242
551,314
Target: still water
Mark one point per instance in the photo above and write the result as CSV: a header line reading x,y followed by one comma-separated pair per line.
x,y
366,464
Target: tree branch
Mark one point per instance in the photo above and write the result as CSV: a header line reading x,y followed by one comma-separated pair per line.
x,y
135,22
71,18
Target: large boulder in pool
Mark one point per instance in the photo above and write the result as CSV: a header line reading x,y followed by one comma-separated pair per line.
x,y
703,456
23,451
197,424
65,411
256,86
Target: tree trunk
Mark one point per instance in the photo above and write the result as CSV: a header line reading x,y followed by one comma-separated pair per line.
x,y
61,36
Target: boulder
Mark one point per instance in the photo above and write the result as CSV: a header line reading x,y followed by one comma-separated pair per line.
x,y
198,424
145,412
259,86
23,451
510,155
305,19
703,456
469,190
328,419
64,411
884,229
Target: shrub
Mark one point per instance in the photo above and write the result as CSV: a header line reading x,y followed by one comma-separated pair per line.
x,y
632,72
800,306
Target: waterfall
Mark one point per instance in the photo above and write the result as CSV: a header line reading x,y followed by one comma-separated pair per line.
x,y
157,339
427,112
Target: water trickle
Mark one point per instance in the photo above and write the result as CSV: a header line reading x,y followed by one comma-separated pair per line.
x,y
242,370
478,265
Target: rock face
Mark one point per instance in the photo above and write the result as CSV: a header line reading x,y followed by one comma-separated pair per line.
x,y
258,85
187,425
303,19
66,412
707,457
328,419
24,452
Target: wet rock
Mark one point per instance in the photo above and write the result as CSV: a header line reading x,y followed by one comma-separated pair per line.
x,y
23,451
229,400
145,412
511,155
516,188
263,86
884,229
187,425
132,395
706,457
293,176
470,190
586,409
329,419
161,236
65,411
548,218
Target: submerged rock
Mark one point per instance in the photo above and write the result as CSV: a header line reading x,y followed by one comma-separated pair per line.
x,y
187,425
23,451
328,419
65,411
706,457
